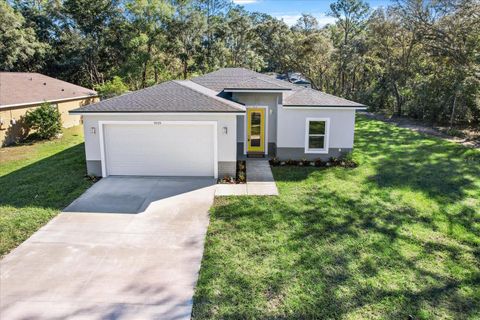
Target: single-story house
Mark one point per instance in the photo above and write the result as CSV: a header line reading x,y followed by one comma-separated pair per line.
x,y
24,91
200,127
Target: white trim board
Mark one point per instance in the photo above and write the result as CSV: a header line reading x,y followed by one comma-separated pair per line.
x,y
245,128
326,136
169,122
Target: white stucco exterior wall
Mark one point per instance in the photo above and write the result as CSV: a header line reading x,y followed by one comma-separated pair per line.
x,y
226,142
292,126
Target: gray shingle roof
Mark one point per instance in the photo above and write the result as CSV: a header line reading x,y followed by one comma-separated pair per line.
x,y
240,78
172,96
233,77
310,97
257,84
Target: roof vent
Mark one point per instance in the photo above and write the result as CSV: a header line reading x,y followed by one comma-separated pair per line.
x,y
63,89
44,83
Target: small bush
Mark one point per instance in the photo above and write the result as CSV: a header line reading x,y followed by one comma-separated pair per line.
x,y
45,120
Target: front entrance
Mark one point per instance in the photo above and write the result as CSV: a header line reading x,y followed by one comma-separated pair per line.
x,y
255,130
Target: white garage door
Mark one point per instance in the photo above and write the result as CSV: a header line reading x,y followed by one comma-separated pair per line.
x,y
160,149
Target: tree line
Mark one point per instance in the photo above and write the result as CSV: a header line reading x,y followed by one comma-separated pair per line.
x,y
419,58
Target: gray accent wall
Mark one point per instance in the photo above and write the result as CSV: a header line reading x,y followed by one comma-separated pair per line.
x,y
94,168
272,149
227,168
299,154
258,99
239,149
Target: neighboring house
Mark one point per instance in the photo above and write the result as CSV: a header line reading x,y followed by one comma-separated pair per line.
x,y
200,127
24,91
295,78
303,83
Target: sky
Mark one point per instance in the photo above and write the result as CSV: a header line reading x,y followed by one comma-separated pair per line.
x,y
291,10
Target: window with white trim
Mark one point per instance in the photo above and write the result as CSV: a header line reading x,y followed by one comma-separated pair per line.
x,y
316,137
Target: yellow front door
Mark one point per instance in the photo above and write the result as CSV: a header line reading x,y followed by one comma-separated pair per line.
x,y
255,130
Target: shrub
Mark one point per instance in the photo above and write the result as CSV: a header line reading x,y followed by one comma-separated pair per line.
x,y
346,161
241,177
45,120
274,161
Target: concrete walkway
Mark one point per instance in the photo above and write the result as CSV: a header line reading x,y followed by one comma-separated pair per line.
x,y
260,181
141,263
258,170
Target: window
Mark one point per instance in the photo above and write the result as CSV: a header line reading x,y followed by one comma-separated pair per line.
x,y
316,135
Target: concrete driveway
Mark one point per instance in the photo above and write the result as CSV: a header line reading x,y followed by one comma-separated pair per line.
x,y
129,248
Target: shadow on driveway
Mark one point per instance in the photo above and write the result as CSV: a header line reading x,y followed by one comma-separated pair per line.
x,y
129,194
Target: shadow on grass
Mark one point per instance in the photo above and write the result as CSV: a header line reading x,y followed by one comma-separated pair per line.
x,y
52,182
317,252
401,158
274,258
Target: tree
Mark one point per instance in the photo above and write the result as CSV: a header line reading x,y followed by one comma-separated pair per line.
x,y
274,42
91,29
239,40
312,57
214,11
449,31
393,42
351,18
306,24
148,22
187,28
20,49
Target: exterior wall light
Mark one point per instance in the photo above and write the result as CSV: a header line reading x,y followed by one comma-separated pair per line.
x,y
225,130
93,130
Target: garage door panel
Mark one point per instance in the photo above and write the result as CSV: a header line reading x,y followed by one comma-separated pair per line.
x,y
159,150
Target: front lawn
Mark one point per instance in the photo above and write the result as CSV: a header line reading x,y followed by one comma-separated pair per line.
x,y
398,236
36,182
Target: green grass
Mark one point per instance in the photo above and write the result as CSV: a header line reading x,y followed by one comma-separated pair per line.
x,y
36,182
397,236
